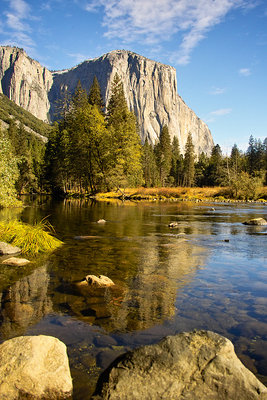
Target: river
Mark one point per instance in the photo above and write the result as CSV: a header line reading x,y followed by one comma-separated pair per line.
x,y
210,272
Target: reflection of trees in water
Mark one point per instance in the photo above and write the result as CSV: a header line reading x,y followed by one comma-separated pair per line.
x,y
142,298
24,303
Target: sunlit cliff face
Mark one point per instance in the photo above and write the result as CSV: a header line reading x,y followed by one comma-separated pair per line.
x,y
150,90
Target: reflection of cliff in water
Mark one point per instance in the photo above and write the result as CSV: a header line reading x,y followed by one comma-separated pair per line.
x,y
24,303
147,279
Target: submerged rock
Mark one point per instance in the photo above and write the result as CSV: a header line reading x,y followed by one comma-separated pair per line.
x,y
34,367
96,281
15,261
101,221
256,221
188,366
6,249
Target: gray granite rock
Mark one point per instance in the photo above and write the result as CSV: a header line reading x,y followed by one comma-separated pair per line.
x,y
189,366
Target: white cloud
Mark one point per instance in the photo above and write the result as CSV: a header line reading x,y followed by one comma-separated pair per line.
x,y
221,111
217,113
17,28
154,21
244,71
217,91
20,7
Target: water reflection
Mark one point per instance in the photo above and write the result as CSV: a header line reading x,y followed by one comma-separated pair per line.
x,y
24,303
146,280
208,273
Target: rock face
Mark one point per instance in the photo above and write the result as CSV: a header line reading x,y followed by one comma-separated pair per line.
x,y
189,366
150,89
25,81
34,367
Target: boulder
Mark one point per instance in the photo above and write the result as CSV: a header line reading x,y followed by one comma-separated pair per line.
x,y
15,261
96,281
189,366
256,221
6,249
101,221
34,367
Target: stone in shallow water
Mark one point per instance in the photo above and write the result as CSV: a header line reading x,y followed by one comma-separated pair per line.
x,y
6,249
16,261
195,365
34,367
96,281
256,221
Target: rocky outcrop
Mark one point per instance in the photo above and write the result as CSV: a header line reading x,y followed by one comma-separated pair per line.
x,y
150,89
34,367
196,365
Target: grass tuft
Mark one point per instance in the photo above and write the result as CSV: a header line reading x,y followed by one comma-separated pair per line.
x,y
32,239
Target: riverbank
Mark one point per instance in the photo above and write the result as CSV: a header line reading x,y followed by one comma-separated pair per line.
x,y
209,194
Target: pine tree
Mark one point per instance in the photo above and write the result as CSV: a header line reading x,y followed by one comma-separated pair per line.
x,y
125,141
176,161
217,174
150,171
95,97
189,162
163,152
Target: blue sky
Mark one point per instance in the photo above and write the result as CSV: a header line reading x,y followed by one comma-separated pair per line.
x,y
218,47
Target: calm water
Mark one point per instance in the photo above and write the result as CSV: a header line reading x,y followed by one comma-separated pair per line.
x,y
209,273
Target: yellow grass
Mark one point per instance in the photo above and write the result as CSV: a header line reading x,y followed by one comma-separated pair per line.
x,y
31,239
182,193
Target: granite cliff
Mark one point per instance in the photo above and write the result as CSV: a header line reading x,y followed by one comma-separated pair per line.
x,y
150,89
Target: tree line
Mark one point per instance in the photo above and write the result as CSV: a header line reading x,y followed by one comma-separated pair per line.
x,y
91,150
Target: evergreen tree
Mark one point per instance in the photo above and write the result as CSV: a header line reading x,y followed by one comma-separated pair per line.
x,y
251,155
217,174
189,162
176,162
150,171
201,167
95,97
79,98
163,152
125,141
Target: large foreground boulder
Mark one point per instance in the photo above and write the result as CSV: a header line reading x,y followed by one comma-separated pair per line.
x,y
34,367
199,365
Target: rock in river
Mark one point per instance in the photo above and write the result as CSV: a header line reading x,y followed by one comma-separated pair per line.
x,y
256,221
96,281
189,366
6,248
34,367
16,261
